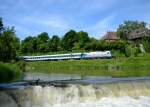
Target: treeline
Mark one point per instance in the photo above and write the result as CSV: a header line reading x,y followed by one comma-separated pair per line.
x,y
42,43
81,41
11,46
70,42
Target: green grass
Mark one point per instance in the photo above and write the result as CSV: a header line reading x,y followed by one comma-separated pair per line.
x,y
118,67
9,72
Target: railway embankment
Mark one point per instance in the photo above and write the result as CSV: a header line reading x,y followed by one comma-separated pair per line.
x,y
116,67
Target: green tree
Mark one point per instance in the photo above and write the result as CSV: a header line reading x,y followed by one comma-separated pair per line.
x,y
146,43
9,44
69,40
92,45
54,43
29,45
83,40
1,25
42,42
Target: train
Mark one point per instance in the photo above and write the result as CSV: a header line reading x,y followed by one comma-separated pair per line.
x,y
71,56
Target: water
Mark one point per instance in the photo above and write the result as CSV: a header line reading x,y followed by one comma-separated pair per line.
x,y
126,94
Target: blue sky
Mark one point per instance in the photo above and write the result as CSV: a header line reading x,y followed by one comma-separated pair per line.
x,y
31,17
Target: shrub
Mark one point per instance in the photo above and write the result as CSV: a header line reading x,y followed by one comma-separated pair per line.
x,y
9,72
128,51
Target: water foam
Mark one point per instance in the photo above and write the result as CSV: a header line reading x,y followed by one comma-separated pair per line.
x,y
134,94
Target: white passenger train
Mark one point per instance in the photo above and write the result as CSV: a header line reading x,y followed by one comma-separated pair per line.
x,y
71,56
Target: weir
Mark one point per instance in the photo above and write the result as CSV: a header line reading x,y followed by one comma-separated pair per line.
x,y
126,94
65,82
76,91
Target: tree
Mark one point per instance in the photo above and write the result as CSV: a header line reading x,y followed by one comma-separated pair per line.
x,y
83,39
1,25
42,42
127,27
69,40
92,45
54,43
29,45
146,44
9,44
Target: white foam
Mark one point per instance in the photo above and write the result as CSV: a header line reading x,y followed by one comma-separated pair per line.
x,y
109,95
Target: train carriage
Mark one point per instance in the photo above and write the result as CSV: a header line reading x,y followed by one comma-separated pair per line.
x,y
71,56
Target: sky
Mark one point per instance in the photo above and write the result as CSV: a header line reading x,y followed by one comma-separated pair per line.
x,y
31,17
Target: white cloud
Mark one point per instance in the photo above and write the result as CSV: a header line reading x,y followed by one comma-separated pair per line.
x,y
98,4
58,16
101,27
50,21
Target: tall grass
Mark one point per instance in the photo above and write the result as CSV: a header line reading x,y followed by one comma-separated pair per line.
x,y
9,72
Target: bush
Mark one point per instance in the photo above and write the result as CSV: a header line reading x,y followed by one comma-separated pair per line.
x,y
9,72
146,43
117,53
128,51
131,51
136,51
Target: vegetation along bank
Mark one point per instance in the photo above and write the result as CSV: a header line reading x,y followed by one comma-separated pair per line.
x,y
130,46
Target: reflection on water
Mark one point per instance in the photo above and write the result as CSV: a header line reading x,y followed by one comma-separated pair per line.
x,y
72,78
49,77
129,94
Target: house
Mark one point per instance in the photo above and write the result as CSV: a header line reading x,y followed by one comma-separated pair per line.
x,y
137,35
110,36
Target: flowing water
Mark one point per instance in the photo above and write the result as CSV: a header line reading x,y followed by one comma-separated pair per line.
x,y
127,94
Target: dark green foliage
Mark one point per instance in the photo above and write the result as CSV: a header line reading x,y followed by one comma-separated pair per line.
x,y
9,72
1,25
29,45
128,50
136,51
54,44
9,44
103,45
131,51
42,42
118,45
92,45
146,43
35,44
69,40
83,40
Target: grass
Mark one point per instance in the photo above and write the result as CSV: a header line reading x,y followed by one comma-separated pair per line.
x,y
118,67
9,72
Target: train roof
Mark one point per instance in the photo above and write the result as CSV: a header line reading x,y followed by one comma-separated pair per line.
x,y
54,55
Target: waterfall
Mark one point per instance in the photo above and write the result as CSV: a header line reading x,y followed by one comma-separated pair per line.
x,y
133,94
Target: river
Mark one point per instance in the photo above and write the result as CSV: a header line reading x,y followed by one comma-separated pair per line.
x,y
128,92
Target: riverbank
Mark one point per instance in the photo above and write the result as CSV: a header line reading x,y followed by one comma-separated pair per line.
x,y
117,67
9,72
